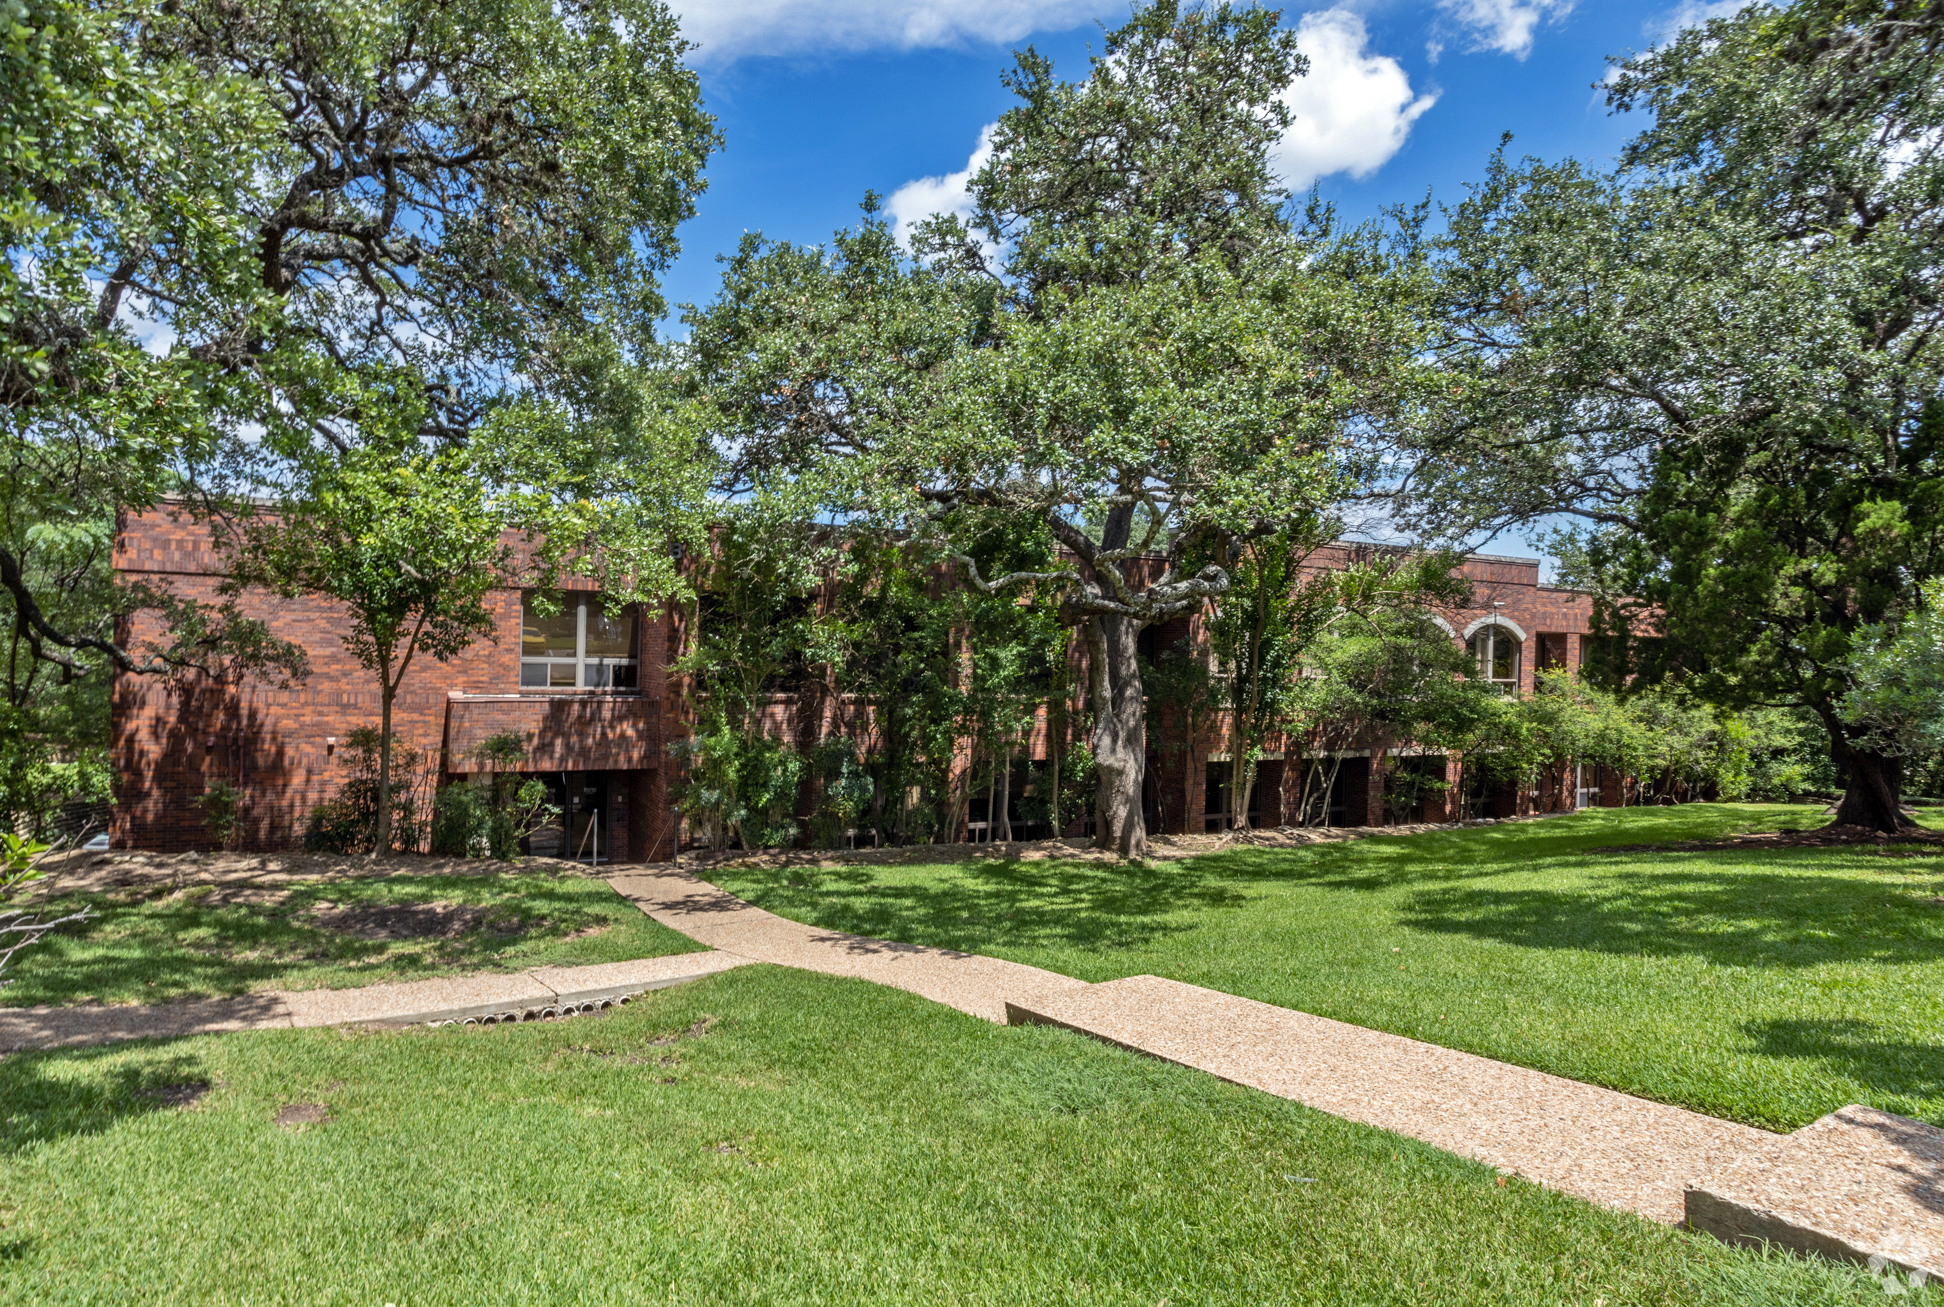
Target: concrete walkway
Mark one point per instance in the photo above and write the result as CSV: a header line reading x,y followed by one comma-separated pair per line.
x,y
1859,1183
969,982
459,998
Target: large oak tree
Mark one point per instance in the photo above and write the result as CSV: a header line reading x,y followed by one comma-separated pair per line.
x,y
1725,360
1136,349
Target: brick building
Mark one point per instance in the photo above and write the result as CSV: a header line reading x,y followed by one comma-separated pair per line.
x,y
1513,627
587,688
590,691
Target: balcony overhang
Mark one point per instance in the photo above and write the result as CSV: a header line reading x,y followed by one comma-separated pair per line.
x,y
563,732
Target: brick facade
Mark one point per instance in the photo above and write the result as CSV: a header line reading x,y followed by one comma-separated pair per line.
x,y
282,748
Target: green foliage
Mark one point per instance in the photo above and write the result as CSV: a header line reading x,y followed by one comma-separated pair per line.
x,y
1896,692
897,642
21,928
461,822
1378,667
348,821
1725,359
241,235
403,540
740,789
222,809
1131,328
488,816
19,856
845,791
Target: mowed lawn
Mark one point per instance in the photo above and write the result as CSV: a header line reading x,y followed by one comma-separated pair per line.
x,y
1765,986
768,1136
152,943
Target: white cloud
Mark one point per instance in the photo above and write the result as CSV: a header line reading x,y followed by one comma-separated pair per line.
x,y
1506,26
731,29
917,200
1353,110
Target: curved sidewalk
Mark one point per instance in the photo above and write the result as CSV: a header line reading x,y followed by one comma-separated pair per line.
x,y
970,982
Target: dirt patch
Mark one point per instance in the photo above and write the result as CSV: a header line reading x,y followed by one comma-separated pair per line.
x,y
1907,844
695,1031
294,1116
1161,848
235,873
399,921
182,1095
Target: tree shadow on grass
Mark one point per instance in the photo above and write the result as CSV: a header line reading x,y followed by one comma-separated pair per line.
x,y
1731,915
978,906
189,947
1385,862
45,1097
1903,1075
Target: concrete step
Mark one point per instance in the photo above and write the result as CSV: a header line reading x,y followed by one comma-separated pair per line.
x,y
1857,1184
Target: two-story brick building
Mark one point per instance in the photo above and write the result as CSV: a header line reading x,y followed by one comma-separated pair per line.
x,y
589,688
586,687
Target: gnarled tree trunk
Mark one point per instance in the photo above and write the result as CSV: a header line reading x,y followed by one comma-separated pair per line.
x,y
1873,797
1120,733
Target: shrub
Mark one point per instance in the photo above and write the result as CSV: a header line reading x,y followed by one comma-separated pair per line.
x,y
222,807
460,821
348,822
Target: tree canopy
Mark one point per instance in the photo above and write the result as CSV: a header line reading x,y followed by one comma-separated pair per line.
x,y
1137,350
1724,360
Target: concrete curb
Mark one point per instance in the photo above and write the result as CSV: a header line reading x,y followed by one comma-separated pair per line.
x,y
540,993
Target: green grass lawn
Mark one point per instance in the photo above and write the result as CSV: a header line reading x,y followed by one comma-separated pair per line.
x,y
152,943
1768,987
772,1137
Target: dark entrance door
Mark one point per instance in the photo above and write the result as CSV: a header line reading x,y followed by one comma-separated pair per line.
x,y
586,818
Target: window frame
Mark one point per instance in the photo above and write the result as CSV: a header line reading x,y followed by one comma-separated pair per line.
x,y
1489,635
581,662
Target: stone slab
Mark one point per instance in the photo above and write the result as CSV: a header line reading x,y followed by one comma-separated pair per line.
x,y
70,1027
1856,1184
609,980
1607,1147
969,982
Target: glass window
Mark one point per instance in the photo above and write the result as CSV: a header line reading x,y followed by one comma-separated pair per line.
x,y
1497,653
550,637
588,644
610,634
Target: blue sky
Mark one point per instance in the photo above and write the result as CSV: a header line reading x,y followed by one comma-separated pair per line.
x,y
821,100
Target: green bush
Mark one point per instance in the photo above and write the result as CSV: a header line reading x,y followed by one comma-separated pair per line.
x,y
222,806
488,816
348,822
461,820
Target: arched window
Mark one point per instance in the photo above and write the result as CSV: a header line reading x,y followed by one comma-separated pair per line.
x,y
1496,651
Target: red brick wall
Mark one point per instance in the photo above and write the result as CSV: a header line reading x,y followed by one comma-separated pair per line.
x,y
283,747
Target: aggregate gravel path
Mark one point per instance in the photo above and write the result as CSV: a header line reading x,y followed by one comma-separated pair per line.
x,y
969,982
1607,1147
450,998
